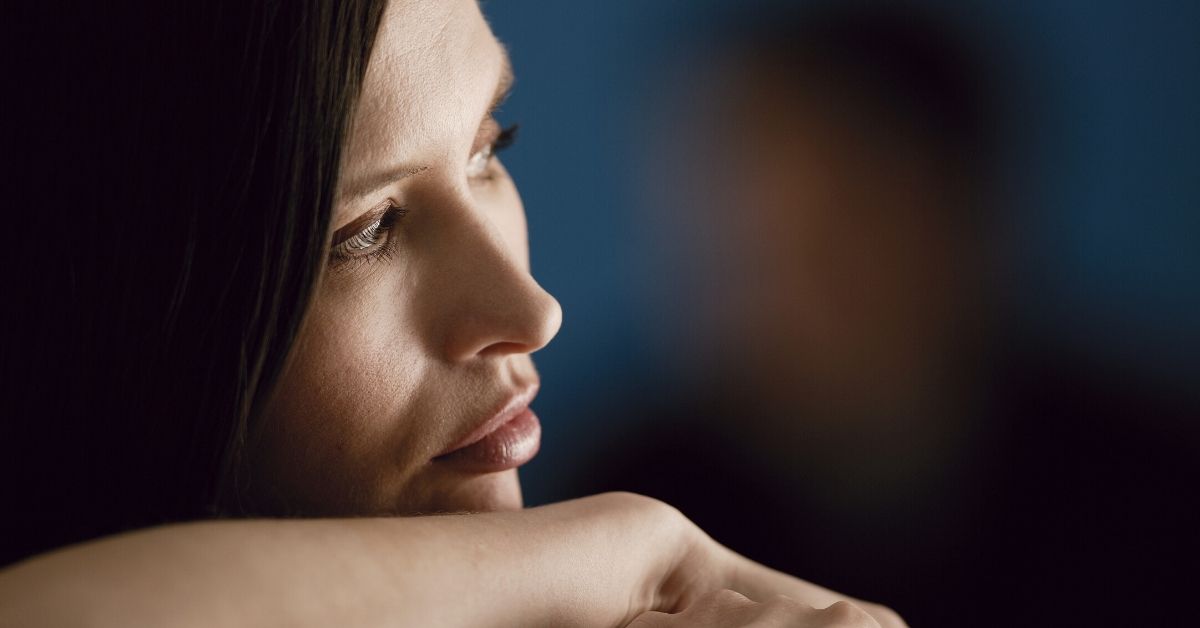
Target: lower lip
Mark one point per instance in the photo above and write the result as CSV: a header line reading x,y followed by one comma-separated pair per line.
x,y
507,447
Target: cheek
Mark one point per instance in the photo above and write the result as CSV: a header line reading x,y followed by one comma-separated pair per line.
x,y
341,415
368,398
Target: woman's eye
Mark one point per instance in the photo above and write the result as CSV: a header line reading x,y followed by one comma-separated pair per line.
x,y
366,242
479,164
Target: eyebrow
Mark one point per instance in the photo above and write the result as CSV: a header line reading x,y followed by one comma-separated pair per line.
x,y
373,182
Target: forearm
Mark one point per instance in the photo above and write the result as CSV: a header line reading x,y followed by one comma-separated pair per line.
x,y
589,562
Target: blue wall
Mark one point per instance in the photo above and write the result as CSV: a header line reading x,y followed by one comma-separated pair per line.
x,y
1107,226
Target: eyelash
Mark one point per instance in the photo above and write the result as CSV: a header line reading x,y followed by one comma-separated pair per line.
x,y
504,139
357,248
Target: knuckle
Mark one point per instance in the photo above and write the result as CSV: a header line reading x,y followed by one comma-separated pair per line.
x,y
844,614
886,617
726,597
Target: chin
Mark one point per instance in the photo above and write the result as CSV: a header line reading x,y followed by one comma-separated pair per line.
x,y
482,493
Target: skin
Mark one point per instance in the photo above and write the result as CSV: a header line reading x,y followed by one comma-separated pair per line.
x,y
730,608
400,358
609,560
403,354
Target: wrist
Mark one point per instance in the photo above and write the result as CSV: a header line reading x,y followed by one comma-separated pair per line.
x,y
673,554
622,545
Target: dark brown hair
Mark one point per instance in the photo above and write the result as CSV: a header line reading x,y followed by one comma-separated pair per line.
x,y
174,166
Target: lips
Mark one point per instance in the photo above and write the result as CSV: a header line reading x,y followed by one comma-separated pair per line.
x,y
507,439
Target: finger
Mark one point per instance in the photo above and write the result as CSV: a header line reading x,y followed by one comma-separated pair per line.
x,y
721,608
717,608
726,608
651,619
886,617
846,614
759,582
783,611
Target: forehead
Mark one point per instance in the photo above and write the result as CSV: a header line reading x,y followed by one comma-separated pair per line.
x,y
432,72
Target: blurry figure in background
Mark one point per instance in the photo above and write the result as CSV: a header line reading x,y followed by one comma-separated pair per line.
x,y
852,382
852,178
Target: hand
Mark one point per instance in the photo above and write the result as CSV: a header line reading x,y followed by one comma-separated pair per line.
x,y
730,609
700,566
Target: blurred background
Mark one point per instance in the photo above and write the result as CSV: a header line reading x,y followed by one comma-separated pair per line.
x,y
902,298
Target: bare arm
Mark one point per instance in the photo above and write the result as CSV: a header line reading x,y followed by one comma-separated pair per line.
x,y
554,565
598,561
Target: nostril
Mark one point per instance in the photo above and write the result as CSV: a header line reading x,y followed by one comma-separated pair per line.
x,y
505,348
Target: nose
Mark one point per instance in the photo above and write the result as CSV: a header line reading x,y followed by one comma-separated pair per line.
x,y
490,305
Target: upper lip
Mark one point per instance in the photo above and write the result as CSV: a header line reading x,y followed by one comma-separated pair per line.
x,y
513,405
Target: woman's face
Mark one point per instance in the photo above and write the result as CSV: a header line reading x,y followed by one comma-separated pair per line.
x,y
418,340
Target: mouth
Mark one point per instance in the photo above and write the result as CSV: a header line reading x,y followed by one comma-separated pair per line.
x,y
505,440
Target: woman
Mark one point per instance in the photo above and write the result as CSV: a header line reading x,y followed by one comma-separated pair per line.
x,y
289,278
